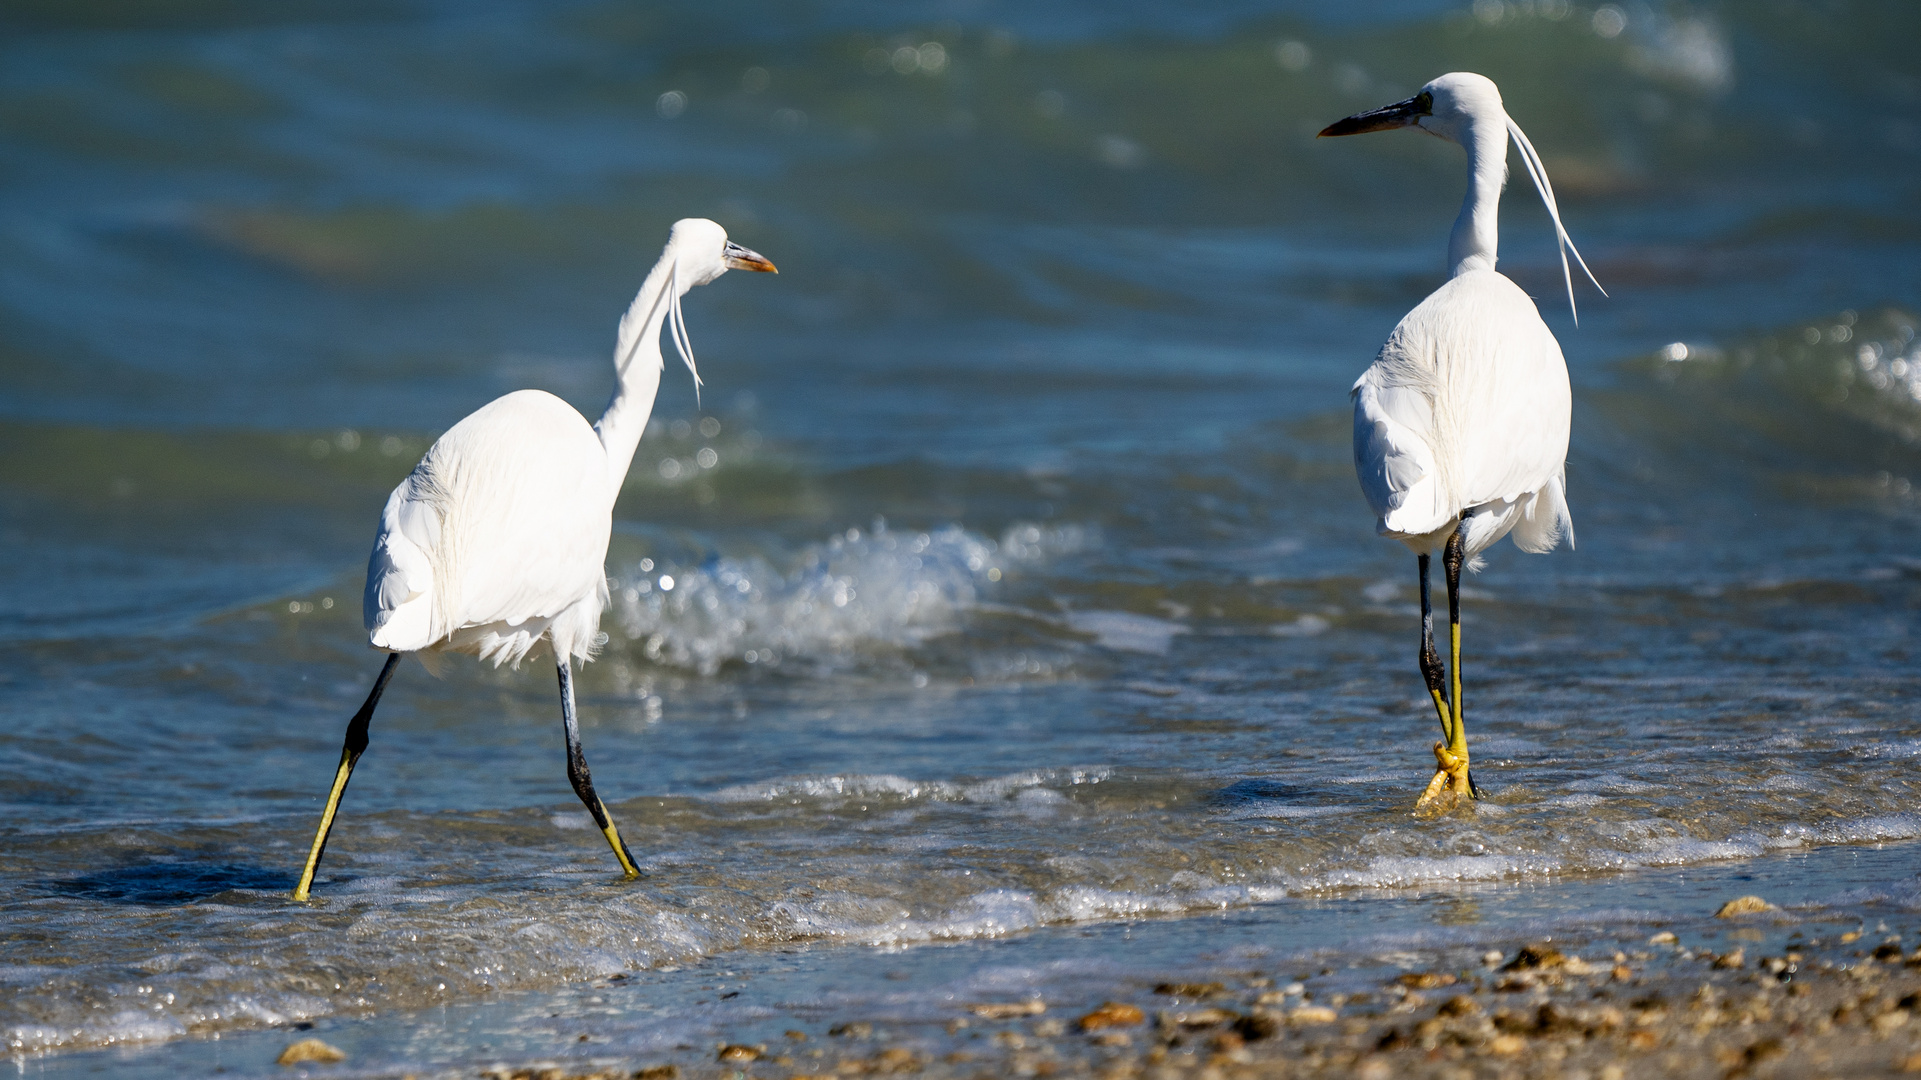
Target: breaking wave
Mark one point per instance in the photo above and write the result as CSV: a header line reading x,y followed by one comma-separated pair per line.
x,y
858,594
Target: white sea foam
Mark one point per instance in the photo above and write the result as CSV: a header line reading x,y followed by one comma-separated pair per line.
x,y
1402,871
859,592
1124,631
884,785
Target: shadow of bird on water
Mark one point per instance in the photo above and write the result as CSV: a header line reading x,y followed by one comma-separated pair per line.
x,y
168,884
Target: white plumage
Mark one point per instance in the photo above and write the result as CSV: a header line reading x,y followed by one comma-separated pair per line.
x,y
1461,422
1467,408
497,540
498,537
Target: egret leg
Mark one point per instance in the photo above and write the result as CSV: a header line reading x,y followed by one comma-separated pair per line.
x,y
1431,668
1436,676
1454,760
584,782
356,745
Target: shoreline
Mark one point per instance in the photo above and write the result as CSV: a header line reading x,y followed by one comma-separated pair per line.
x,y
1416,985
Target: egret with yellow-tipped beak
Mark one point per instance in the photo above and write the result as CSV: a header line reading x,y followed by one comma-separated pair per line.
x,y
1461,423
497,541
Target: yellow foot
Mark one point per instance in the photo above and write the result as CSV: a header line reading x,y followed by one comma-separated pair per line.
x,y
1450,784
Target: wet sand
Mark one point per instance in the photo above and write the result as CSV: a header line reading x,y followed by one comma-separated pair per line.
x,y
1809,989
1839,1002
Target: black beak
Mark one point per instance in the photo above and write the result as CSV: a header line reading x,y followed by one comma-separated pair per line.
x,y
1398,115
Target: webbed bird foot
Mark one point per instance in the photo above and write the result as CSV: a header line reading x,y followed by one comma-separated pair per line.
x,y
1451,783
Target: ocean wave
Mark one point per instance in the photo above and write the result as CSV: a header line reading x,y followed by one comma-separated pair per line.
x,y
857,595
1844,390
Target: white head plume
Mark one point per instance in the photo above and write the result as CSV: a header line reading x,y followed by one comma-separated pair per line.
x,y
677,324
1563,242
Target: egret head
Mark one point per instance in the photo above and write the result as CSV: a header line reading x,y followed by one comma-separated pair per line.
x,y
702,252
1462,106
698,251
1446,107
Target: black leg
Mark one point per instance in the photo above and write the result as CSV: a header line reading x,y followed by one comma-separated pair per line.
x,y
583,781
1431,668
355,746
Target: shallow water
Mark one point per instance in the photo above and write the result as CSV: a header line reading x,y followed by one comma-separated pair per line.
x,y
1018,574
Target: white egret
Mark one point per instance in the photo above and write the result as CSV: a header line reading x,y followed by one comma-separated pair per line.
x,y
498,538
1461,422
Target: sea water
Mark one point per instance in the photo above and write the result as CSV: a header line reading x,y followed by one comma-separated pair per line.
x,y
1009,574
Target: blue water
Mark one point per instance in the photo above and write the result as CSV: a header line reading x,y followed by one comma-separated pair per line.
x,y
1062,606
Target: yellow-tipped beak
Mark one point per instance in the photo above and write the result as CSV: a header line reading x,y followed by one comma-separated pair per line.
x,y
740,258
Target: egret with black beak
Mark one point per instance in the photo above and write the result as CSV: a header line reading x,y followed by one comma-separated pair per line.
x,y
1461,422
498,538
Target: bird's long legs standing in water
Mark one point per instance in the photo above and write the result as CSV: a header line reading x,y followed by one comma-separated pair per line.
x,y
1451,775
356,745
583,781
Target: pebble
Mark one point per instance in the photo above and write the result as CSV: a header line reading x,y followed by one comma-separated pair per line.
x,y
310,1050
1743,905
1189,989
1198,1017
854,1029
1113,1014
1535,957
1007,1010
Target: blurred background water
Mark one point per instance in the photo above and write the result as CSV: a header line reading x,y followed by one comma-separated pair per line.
x,y
1011,570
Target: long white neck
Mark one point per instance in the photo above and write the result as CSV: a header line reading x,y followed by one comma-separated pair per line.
x,y
1477,232
637,365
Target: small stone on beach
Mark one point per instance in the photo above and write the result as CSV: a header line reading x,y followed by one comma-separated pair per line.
x,y
1008,1010
310,1050
854,1029
1743,905
1198,1017
1112,1014
737,1052
1189,989
1532,957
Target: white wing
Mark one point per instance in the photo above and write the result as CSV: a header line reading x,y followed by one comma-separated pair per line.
x,y
398,604
501,528
1394,459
